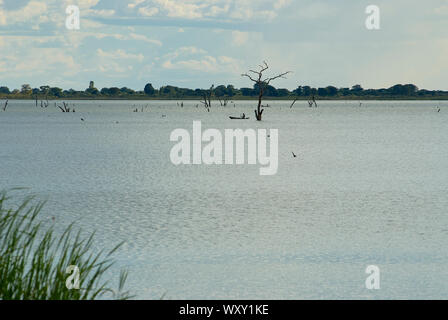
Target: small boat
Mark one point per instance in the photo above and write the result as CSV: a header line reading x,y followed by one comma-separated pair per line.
x,y
239,118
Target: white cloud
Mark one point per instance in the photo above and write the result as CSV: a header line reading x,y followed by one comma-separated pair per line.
x,y
83,4
247,13
185,51
239,38
38,63
2,18
281,4
117,62
135,3
196,59
148,11
317,10
204,64
141,37
197,9
31,10
119,54
184,9
101,13
113,66
215,11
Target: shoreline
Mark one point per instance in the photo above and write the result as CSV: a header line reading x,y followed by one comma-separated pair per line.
x,y
442,98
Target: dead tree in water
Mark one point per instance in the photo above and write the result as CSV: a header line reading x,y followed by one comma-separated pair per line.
x,y
6,105
66,108
224,101
262,84
293,103
312,101
207,96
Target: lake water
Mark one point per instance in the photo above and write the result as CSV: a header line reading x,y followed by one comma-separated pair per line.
x,y
369,187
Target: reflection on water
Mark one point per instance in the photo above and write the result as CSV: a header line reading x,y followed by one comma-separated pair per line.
x,y
369,186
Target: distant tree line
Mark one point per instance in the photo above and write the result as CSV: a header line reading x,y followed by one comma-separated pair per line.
x,y
398,91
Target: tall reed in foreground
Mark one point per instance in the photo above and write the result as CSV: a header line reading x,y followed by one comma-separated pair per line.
x,y
34,261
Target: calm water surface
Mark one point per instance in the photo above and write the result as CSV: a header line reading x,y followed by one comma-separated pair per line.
x,y
369,187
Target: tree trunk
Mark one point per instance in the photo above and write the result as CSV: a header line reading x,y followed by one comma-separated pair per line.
x,y
262,84
259,111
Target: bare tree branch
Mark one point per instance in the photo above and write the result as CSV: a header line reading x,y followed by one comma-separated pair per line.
x,y
262,84
252,79
268,80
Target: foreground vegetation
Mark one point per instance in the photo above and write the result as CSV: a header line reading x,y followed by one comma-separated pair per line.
x,y
34,261
223,92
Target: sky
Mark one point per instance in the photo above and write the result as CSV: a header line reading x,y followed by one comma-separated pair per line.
x,y
192,43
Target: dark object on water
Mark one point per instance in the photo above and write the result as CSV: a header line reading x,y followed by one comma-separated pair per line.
x,y
82,119
243,117
66,108
293,103
312,101
239,118
294,155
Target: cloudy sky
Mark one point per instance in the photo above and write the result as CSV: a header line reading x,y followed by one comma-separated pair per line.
x,y
194,43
